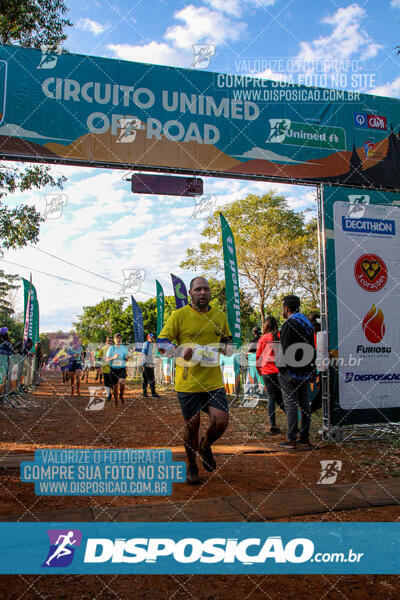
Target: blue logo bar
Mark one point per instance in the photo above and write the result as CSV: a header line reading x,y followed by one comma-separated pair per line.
x,y
376,226
199,548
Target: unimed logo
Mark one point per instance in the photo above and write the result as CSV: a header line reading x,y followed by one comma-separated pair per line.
x,y
191,550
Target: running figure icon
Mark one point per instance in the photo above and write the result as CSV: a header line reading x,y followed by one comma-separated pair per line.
x,y
62,549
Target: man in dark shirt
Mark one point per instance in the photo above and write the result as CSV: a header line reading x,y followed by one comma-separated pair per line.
x,y
296,366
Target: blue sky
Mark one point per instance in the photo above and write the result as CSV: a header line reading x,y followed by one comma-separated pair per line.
x,y
105,229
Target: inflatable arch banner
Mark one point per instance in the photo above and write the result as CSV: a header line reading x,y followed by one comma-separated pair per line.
x,y
77,109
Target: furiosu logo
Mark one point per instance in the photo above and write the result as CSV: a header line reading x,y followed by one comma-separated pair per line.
x,y
374,325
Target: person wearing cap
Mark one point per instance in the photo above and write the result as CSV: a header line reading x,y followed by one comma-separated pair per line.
x,y
148,365
254,341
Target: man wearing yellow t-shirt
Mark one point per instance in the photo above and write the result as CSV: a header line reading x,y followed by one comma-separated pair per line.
x,y
194,335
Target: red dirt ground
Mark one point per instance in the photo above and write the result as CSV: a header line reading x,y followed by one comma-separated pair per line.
x,y
60,421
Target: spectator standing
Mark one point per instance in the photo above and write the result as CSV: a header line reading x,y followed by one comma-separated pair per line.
x,y
266,367
295,371
5,344
254,341
148,366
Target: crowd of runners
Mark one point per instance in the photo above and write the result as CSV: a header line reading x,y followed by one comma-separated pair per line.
x,y
195,336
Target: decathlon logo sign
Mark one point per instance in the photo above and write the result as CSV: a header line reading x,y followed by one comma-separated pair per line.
x,y
377,226
192,550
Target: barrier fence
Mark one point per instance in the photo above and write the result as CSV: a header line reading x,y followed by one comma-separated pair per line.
x,y
240,377
18,373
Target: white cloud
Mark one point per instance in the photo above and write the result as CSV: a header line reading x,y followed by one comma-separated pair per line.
x,y
235,7
92,26
346,40
395,3
391,89
272,75
154,53
199,25
230,7
202,25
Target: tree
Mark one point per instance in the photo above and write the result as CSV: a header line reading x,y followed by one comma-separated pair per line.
x,y
249,317
109,317
103,319
7,286
33,23
45,343
28,23
8,318
270,241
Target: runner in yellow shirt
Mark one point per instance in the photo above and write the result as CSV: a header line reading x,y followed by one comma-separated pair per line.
x,y
201,332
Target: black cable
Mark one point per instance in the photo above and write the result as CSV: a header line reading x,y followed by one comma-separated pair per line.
x,y
83,269
58,277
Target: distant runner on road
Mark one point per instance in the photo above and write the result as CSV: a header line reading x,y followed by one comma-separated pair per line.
x,y
198,330
106,366
117,356
74,351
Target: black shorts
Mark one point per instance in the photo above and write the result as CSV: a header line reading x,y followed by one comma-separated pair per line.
x,y
193,402
117,373
74,365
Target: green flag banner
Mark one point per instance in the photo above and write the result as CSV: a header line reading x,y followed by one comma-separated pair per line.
x,y
31,312
160,307
231,282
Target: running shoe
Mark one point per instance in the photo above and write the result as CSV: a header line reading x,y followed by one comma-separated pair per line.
x,y
206,454
192,475
274,431
289,445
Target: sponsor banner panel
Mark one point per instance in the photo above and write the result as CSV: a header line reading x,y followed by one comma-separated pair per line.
x,y
76,109
367,260
199,548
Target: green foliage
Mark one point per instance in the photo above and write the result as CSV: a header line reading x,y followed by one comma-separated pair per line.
x,y
274,306
249,317
104,319
15,327
45,343
7,285
275,248
33,22
109,317
28,23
